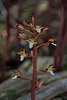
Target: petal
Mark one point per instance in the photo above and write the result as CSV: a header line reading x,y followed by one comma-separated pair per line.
x,y
14,77
21,58
51,72
38,30
54,44
30,45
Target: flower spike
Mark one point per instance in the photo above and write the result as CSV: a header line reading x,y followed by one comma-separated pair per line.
x,y
50,69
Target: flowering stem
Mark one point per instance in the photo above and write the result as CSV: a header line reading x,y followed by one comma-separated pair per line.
x,y
34,71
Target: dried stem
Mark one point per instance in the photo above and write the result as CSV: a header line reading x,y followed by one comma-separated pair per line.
x,y
62,26
4,55
62,50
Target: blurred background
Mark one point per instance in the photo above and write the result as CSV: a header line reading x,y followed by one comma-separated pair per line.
x,y
47,13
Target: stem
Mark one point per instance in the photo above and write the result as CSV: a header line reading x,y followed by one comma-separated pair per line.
x,y
61,31
23,78
34,71
62,50
44,44
5,51
20,3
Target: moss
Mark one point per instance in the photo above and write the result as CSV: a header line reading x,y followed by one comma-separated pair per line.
x,y
2,25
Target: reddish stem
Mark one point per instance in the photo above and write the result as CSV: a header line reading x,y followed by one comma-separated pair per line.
x,y
23,78
4,55
62,50
44,44
62,23
19,17
34,71
8,18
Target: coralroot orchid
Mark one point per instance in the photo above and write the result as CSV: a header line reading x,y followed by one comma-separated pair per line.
x,y
33,53
50,69
18,75
31,42
38,28
22,55
51,41
39,84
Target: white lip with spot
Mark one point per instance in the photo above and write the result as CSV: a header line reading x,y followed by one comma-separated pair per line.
x,y
30,45
54,44
38,30
51,72
21,58
14,77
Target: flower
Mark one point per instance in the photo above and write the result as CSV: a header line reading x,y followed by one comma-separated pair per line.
x,y
17,74
51,41
22,55
49,69
31,42
38,28
39,84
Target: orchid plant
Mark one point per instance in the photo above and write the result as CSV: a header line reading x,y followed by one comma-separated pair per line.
x,y
37,31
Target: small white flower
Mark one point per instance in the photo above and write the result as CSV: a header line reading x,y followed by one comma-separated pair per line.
x,y
38,30
21,58
31,45
51,72
14,77
54,44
